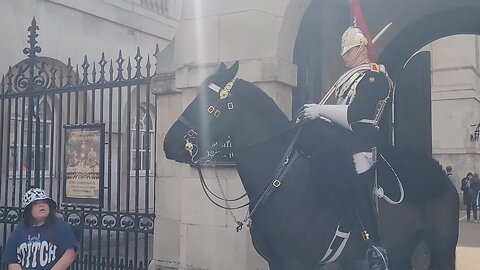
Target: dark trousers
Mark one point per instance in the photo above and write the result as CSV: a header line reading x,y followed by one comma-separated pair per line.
x,y
469,209
472,207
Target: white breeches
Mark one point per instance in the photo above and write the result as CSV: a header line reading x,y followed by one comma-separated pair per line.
x,y
363,161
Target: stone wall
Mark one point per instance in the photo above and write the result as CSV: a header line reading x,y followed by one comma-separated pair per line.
x,y
190,232
455,102
77,28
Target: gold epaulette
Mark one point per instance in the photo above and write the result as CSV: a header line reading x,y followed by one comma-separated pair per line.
x,y
374,67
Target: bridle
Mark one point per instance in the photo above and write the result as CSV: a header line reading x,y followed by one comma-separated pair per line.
x,y
191,146
216,110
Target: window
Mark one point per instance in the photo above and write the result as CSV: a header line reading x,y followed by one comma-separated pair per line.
x,y
146,137
19,130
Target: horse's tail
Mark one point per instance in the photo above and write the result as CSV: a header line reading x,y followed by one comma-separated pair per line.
x,y
421,175
441,229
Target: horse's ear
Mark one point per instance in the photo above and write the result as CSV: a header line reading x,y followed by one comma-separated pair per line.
x,y
233,69
222,68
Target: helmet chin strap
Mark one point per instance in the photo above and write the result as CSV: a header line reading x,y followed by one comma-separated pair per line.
x,y
355,58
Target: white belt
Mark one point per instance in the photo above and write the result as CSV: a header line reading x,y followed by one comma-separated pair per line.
x,y
367,121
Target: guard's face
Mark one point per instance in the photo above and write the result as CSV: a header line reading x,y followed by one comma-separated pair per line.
x,y
40,210
353,57
349,56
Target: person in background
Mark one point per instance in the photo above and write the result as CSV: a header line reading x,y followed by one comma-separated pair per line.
x,y
40,234
474,189
467,193
450,175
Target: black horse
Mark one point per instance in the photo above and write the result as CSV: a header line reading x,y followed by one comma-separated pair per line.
x,y
293,228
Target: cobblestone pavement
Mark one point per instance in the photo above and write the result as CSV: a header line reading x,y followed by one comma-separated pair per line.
x,y
468,248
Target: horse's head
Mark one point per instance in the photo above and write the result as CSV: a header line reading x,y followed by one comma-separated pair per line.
x,y
206,120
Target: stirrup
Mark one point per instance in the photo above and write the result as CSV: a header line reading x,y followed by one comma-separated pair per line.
x,y
377,258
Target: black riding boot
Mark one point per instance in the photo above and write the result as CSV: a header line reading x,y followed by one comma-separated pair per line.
x,y
376,255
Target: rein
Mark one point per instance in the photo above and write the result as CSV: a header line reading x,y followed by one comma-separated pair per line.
x,y
192,131
285,163
205,189
280,172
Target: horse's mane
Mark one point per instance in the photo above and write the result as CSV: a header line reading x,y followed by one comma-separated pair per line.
x,y
249,93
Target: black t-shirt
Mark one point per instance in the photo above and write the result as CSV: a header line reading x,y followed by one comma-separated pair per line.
x,y
39,247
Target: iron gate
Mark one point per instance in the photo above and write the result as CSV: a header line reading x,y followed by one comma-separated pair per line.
x,y
39,97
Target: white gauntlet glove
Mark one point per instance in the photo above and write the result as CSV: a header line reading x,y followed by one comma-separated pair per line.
x,y
335,113
311,111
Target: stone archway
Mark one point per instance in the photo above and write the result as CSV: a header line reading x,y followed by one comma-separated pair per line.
x,y
292,19
409,37
414,24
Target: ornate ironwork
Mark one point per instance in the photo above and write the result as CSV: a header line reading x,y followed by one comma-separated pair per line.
x,y
38,96
34,77
10,215
110,220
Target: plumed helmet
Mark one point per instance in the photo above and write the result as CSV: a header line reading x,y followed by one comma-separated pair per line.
x,y
36,194
352,37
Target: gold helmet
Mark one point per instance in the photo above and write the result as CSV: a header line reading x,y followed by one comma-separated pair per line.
x,y
352,37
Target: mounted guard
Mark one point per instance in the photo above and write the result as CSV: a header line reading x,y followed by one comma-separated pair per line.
x,y
361,93
295,217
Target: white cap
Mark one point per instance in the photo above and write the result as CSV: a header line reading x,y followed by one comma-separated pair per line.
x,y
36,194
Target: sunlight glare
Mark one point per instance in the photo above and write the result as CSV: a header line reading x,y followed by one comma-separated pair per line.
x,y
200,44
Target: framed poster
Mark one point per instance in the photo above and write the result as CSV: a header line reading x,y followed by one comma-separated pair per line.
x,y
84,160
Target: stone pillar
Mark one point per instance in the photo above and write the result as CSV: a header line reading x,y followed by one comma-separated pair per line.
x,y
455,102
190,232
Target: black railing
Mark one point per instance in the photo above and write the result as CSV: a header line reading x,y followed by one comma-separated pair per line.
x,y
105,264
39,96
